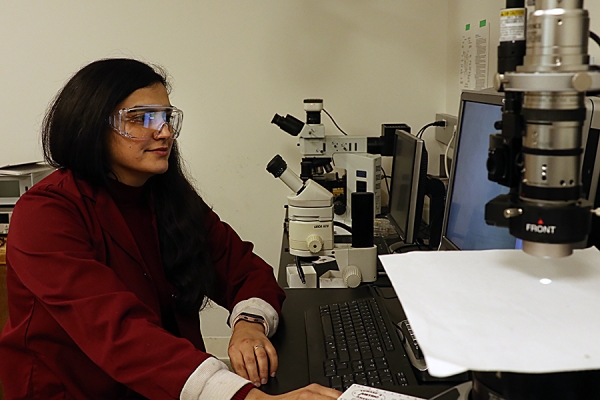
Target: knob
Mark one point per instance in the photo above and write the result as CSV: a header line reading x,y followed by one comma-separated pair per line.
x,y
315,243
352,276
339,207
499,82
582,81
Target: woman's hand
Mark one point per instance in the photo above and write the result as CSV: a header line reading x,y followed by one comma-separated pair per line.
x,y
310,392
251,353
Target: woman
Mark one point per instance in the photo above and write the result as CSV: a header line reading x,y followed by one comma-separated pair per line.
x,y
112,256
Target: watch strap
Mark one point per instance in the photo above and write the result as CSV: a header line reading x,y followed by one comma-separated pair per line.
x,y
256,319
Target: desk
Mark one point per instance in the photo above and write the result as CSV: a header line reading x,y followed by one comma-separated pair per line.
x,y
290,339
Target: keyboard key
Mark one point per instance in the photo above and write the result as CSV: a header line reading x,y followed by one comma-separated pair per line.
x,y
402,381
385,375
342,365
360,378
327,327
344,355
336,383
348,379
378,351
370,365
358,366
381,362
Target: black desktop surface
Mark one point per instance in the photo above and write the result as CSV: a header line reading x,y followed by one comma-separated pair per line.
x,y
290,340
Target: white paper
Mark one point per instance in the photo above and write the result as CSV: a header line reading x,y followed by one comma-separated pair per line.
x,y
501,310
474,57
361,392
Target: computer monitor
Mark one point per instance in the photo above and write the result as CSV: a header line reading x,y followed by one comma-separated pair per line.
x,y
591,163
590,170
407,192
469,188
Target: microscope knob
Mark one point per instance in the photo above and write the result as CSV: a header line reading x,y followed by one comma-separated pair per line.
x,y
339,207
315,243
352,276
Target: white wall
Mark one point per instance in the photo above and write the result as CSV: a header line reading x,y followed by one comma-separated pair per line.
x,y
235,63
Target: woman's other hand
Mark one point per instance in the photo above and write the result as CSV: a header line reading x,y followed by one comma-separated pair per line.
x,y
310,392
251,353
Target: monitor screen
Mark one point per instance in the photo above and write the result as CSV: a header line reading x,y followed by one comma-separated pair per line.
x,y
407,190
469,190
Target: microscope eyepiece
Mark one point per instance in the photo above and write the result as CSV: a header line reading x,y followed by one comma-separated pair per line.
x,y
277,166
289,124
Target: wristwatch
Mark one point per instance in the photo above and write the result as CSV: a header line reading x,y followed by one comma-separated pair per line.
x,y
256,319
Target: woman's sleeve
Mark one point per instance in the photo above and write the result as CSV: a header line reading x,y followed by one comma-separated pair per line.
x,y
242,276
52,252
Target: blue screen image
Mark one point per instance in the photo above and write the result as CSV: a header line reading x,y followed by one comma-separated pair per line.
x,y
471,190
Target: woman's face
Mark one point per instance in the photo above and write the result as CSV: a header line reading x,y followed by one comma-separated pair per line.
x,y
134,161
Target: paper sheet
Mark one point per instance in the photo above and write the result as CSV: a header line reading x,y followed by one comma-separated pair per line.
x,y
501,310
474,57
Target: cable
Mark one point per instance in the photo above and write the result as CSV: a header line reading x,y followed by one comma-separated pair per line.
x,y
435,123
343,226
385,178
300,271
446,153
407,247
595,38
335,123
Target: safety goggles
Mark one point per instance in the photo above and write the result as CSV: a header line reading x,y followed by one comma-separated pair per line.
x,y
145,122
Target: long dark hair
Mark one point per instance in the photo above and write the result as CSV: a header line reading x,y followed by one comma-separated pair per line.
x,y
74,136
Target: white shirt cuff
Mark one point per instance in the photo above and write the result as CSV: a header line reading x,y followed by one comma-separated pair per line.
x,y
212,380
260,307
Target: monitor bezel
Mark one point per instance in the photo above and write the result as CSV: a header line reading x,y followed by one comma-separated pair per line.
x,y
409,232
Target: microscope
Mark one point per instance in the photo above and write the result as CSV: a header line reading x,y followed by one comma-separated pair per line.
x,y
359,156
545,73
310,227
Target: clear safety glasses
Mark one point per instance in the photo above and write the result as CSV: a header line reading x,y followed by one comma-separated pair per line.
x,y
145,122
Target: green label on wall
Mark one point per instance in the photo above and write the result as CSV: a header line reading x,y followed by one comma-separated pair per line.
x,y
467,27
482,23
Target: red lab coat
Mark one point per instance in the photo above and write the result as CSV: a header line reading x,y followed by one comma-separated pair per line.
x,y
83,312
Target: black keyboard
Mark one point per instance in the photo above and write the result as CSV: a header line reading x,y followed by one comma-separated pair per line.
x,y
355,342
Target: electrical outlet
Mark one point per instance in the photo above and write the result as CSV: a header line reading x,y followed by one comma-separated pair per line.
x,y
444,134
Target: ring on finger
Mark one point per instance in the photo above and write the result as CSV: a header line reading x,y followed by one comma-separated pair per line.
x,y
258,346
